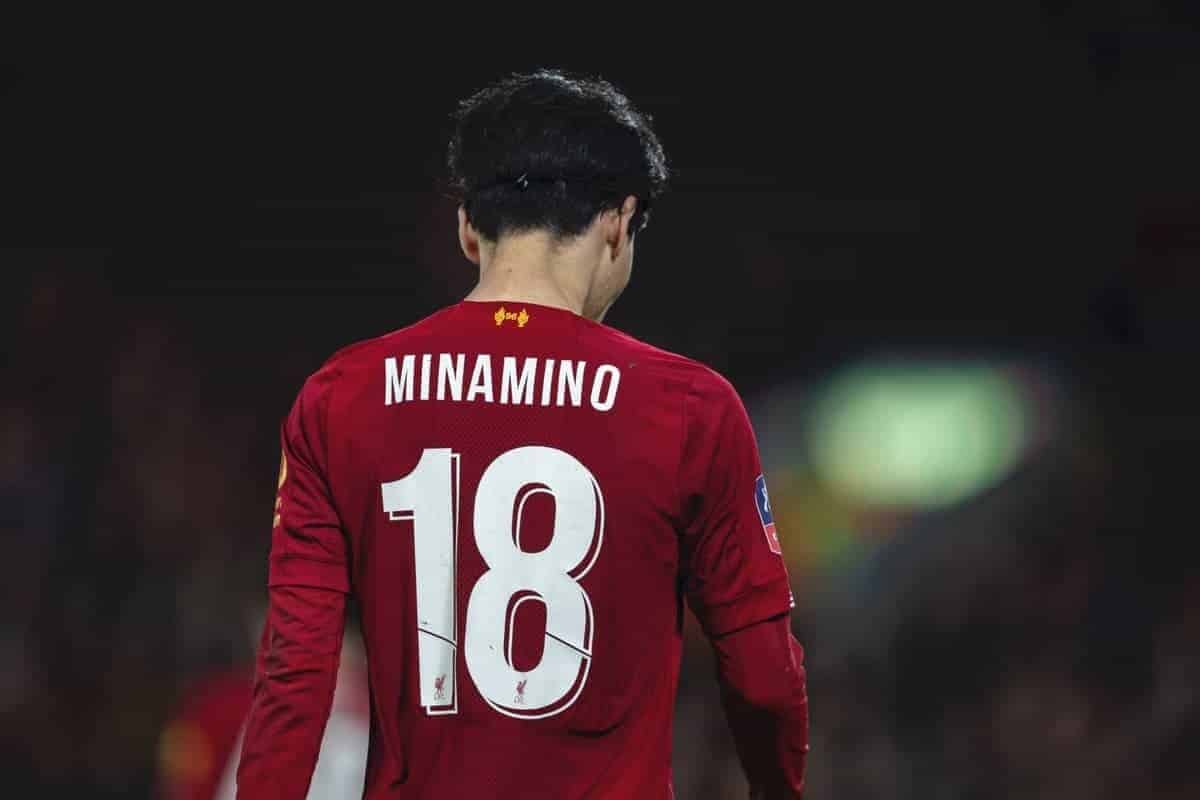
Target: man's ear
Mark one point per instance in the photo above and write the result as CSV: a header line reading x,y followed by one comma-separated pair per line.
x,y
468,237
618,230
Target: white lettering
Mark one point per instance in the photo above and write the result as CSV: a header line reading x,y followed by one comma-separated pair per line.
x,y
598,380
425,359
518,380
547,381
570,379
511,387
450,373
398,386
481,379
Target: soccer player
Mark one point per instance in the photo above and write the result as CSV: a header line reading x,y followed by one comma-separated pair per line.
x,y
521,498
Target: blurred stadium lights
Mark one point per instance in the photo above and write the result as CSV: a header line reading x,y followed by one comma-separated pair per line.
x,y
917,434
856,456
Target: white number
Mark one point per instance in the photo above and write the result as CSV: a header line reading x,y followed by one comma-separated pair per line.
x,y
551,575
429,497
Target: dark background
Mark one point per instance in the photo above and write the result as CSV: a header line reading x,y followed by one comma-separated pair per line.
x,y
193,220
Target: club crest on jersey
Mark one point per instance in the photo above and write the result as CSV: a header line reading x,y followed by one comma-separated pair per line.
x,y
762,503
502,314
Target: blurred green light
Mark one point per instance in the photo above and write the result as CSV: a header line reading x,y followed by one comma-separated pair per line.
x,y
917,434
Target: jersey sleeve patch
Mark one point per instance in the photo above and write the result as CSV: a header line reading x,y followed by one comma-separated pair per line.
x,y
762,503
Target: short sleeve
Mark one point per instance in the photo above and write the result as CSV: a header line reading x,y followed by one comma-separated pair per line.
x,y
308,545
734,572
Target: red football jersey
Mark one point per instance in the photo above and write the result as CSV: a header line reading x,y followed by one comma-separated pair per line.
x,y
520,499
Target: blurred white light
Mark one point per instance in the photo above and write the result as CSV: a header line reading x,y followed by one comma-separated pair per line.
x,y
917,434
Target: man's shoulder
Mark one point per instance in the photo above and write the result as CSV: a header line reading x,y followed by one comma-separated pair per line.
x,y
351,362
690,373
705,393
366,350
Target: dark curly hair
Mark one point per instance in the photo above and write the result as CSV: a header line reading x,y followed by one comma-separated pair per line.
x,y
550,150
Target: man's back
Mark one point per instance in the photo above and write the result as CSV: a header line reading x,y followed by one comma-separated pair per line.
x,y
522,491
521,498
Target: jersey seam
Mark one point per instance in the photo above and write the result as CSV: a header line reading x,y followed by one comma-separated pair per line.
x,y
301,557
325,419
755,588
683,436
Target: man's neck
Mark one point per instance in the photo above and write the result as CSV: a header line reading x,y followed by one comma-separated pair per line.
x,y
531,269
522,291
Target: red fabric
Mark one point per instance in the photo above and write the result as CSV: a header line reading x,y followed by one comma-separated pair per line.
x,y
672,462
198,741
294,682
761,670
